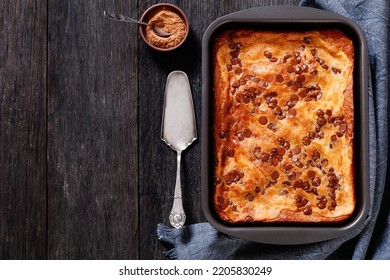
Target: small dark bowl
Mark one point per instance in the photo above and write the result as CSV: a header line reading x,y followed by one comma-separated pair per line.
x,y
163,6
289,18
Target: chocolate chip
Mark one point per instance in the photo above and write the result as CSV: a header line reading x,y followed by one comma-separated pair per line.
x,y
247,133
298,198
333,138
297,69
285,58
249,197
278,110
281,151
307,40
311,174
237,46
279,78
316,181
267,54
321,205
249,219
272,126
292,175
343,128
306,186
296,150
336,71
231,45
275,175
306,141
292,112
235,61
240,173
217,180
238,71
257,189
274,152
232,35
320,61
314,52
229,67
321,121
231,153
293,62
316,155
290,69
240,136
301,78
294,87
298,184
222,135
280,140
328,112
265,157
274,161
263,120
273,59
288,167
234,53
307,210
283,192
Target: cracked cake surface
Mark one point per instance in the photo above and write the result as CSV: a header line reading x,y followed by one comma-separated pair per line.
x,y
283,126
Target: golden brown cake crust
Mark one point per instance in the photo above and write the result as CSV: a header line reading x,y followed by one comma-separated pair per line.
x,y
283,126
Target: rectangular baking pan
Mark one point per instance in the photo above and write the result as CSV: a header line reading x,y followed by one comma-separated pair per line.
x,y
290,18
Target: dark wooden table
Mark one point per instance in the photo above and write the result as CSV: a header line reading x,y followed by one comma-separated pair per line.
x,y
83,172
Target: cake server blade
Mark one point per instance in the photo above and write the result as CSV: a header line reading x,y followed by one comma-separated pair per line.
x,y
178,131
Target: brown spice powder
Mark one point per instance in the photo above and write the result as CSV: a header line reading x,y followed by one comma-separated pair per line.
x,y
169,22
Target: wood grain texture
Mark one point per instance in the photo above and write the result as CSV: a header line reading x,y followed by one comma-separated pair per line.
x,y
92,132
22,130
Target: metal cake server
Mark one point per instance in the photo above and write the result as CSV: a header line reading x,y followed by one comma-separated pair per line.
x,y
178,131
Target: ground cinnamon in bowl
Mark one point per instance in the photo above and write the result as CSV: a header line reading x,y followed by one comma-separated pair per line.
x,y
171,20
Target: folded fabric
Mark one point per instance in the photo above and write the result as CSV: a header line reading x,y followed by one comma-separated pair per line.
x,y
372,239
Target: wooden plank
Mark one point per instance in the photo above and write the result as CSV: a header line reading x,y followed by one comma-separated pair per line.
x,y
23,130
92,132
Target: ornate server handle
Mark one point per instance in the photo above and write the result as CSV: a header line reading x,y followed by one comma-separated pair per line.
x,y
177,217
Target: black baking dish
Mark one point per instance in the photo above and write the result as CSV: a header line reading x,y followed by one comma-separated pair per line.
x,y
289,18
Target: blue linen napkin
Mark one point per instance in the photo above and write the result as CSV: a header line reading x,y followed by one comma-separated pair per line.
x,y
372,239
